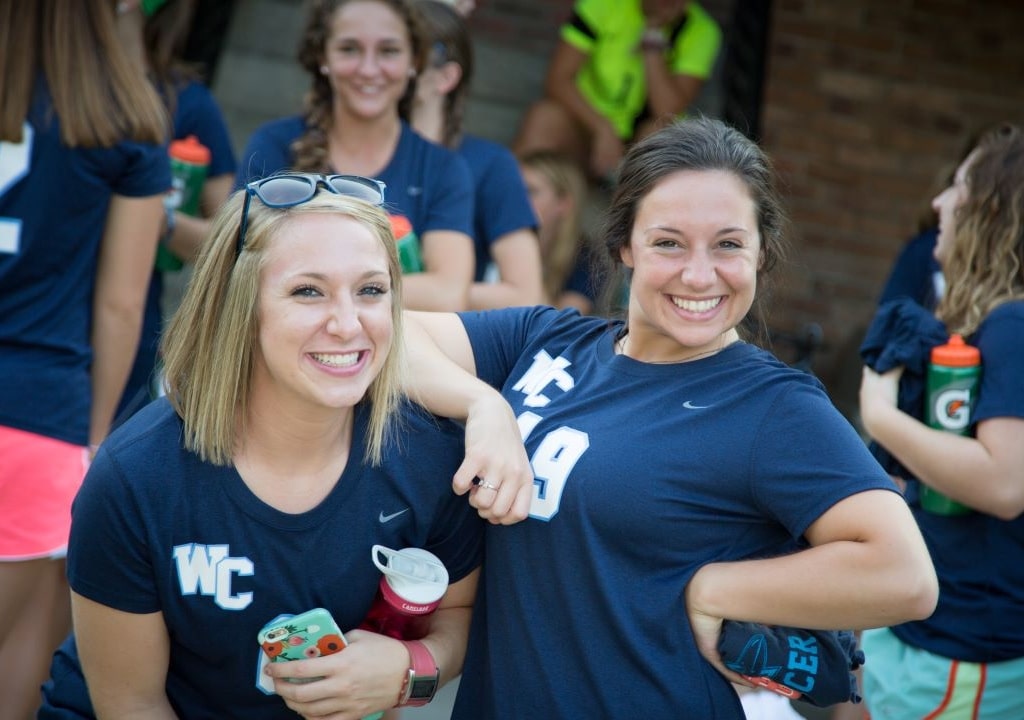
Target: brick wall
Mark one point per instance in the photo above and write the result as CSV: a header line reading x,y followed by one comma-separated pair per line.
x,y
866,103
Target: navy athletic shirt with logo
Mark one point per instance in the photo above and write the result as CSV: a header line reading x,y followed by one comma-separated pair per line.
x,y
644,473
156,529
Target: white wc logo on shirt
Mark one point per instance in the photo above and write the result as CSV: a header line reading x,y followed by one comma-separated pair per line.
x,y
208,570
542,373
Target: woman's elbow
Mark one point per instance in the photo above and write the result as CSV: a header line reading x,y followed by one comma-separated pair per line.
x,y
917,587
924,595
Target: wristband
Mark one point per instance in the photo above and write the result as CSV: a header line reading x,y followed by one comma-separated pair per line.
x,y
170,222
424,676
653,39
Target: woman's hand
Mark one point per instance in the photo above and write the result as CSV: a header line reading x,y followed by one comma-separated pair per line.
x,y
496,471
878,394
706,626
364,678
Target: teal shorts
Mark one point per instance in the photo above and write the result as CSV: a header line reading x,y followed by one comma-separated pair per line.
x,y
902,682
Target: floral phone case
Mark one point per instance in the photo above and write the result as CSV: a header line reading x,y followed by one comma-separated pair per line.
x,y
307,635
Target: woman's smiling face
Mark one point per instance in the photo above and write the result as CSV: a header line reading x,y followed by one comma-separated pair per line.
x,y
325,323
694,251
369,58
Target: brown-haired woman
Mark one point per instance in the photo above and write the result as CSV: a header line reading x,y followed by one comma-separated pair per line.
x,y
363,57
82,170
966,660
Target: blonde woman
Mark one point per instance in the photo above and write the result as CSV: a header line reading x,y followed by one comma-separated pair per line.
x,y
283,452
557,191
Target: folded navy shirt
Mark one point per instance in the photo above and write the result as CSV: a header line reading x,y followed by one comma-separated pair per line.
x,y
902,333
815,666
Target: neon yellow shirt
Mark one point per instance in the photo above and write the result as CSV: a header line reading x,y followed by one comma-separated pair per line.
x,y
612,78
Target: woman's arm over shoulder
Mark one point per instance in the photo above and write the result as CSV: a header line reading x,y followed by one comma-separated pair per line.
x,y
124,659
442,378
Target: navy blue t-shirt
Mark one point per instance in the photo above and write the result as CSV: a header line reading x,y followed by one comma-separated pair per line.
x,y
502,204
978,557
916,274
154,528
53,210
428,184
644,473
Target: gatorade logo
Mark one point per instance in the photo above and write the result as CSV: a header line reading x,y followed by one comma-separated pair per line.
x,y
953,409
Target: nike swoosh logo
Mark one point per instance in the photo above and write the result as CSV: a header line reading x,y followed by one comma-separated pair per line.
x,y
388,518
690,406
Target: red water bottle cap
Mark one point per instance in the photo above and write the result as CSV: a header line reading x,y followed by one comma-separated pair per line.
x,y
190,150
956,353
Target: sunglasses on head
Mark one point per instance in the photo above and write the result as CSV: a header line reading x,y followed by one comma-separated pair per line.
x,y
291,189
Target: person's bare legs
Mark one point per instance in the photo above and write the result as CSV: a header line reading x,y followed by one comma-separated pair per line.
x,y
548,126
34,618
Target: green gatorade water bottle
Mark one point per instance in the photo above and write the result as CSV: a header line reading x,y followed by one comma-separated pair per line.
x,y
189,161
408,245
953,377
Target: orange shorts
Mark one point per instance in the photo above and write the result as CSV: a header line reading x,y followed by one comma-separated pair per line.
x,y
39,477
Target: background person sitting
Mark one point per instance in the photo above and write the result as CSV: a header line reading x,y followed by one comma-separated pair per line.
x,y
621,69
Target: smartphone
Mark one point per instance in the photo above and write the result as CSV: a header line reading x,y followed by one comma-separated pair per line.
x,y
298,637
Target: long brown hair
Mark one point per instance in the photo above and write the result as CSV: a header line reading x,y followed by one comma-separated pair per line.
x,y
99,93
985,263
310,149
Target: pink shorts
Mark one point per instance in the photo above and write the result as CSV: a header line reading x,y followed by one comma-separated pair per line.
x,y
39,477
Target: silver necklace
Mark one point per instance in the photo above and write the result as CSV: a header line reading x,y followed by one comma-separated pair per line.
x,y
620,346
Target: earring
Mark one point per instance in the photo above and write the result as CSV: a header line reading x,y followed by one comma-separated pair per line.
x,y
324,70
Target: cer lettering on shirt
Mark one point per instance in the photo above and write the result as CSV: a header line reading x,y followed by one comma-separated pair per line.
x,y
802,664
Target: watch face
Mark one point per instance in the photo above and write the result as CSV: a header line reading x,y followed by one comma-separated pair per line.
x,y
423,687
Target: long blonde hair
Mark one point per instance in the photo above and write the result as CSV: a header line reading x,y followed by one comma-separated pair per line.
x,y
985,263
558,258
209,347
